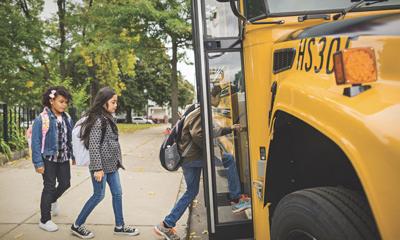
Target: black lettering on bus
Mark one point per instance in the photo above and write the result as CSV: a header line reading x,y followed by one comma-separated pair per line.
x,y
349,39
321,55
329,69
308,66
302,49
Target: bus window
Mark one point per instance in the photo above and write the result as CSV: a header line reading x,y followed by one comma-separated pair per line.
x,y
232,173
220,20
255,8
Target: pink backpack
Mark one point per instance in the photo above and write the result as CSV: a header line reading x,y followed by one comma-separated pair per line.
x,y
45,128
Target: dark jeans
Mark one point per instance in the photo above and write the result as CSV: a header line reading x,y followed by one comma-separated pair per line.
x,y
234,186
52,172
99,189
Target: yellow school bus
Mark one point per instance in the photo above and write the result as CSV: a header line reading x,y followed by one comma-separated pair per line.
x,y
315,86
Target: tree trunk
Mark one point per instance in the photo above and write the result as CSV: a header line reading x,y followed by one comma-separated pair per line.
x,y
25,9
61,29
95,84
129,115
174,82
94,88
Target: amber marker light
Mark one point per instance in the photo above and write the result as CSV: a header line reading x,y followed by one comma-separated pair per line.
x,y
355,66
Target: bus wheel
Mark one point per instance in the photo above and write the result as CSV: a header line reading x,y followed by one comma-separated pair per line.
x,y
323,213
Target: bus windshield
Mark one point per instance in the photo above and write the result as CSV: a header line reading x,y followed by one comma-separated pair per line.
x,y
256,9
295,7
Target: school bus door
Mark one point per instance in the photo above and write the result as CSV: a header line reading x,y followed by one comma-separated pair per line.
x,y
218,54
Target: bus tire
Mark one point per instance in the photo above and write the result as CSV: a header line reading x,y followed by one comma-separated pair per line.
x,y
323,213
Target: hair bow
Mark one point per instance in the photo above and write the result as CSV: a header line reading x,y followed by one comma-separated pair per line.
x,y
52,94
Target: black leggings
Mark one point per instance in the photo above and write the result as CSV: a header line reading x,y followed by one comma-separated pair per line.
x,y
53,171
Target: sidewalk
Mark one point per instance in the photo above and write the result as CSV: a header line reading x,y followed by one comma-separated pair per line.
x,y
149,193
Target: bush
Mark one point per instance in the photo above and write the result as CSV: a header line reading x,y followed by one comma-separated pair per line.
x,y
4,148
16,142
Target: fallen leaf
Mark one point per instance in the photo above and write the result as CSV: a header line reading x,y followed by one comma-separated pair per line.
x,y
140,169
18,236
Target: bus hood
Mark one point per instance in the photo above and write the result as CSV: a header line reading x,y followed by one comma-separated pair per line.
x,y
382,24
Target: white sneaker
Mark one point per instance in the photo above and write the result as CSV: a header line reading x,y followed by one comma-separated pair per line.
x,y
55,209
49,226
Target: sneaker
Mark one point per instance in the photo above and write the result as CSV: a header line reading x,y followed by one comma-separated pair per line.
x,y
55,209
49,226
242,197
81,232
245,197
241,206
126,230
167,233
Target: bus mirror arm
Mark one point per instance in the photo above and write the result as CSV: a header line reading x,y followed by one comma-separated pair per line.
x,y
235,11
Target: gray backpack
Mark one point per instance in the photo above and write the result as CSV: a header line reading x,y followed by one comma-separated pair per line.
x,y
170,157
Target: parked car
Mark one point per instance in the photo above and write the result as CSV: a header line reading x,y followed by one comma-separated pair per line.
x,y
141,120
121,117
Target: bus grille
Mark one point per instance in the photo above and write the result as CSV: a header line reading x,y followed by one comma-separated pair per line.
x,y
283,59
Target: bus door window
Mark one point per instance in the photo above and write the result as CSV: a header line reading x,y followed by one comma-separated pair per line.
x,y
232,173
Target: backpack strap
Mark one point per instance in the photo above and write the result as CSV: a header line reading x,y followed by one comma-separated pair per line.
x,y
187,149
69,118
185,115
44,115
191,109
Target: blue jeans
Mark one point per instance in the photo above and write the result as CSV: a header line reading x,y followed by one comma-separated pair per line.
x,y
99,189
192,173
228,161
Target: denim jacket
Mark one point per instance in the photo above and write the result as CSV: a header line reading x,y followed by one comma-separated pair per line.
x,y
51,143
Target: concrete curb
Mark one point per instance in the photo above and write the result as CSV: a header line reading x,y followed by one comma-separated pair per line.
x,y
16,155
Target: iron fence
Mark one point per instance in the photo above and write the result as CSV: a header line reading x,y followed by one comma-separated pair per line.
x,y
16,117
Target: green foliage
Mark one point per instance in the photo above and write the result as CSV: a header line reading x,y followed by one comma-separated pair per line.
x,y
152,79
16,142
20,49
108,44
118,43
79,93
175,26
175,20
4,148
186,92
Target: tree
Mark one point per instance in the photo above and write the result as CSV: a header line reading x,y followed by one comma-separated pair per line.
x,y
89,44
20,50
106,43
151,80
176,28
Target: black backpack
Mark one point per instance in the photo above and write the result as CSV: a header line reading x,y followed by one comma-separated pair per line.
x,y
170,157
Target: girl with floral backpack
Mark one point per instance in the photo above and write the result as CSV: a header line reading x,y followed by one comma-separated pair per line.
x,y
52,152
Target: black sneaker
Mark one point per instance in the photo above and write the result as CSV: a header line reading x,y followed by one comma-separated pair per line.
x,y
81,232
126,230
